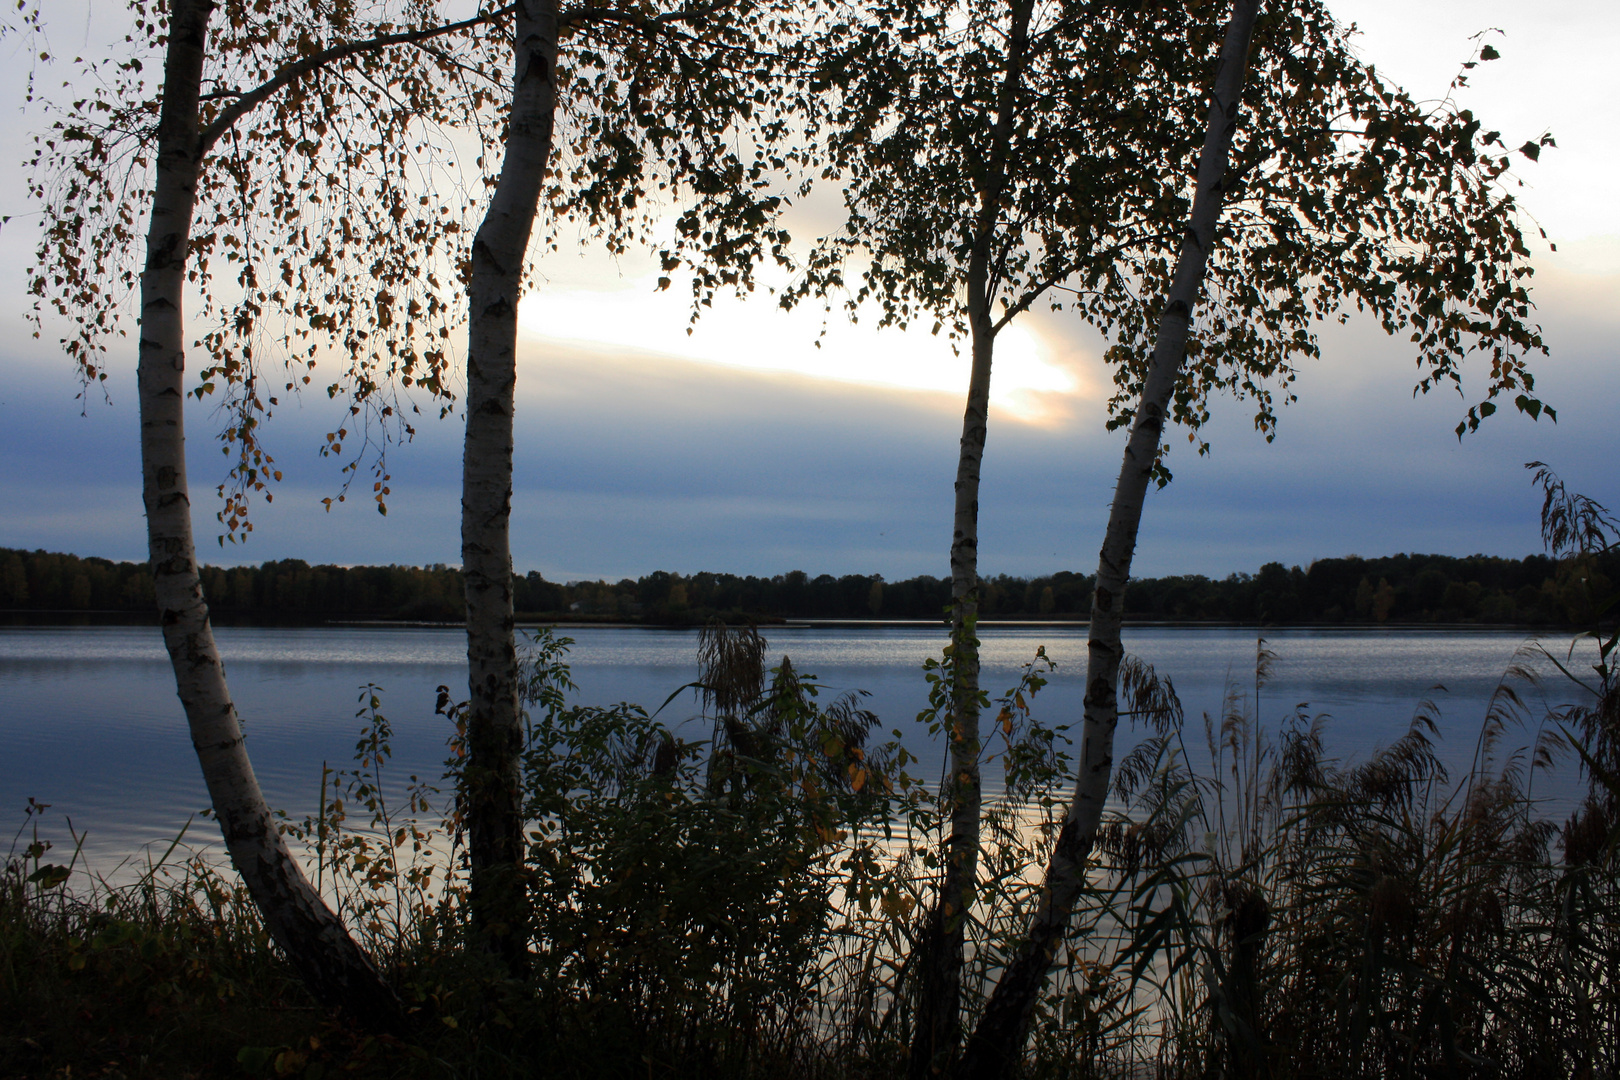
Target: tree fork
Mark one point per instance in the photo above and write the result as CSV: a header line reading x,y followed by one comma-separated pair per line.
x,y
993,1050
937,1036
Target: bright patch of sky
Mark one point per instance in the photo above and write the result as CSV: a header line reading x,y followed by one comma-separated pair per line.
x,y
758,335
1557,73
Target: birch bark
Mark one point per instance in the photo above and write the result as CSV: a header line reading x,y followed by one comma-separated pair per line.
x,y
334,968
494,731
938,1032
938,1029
994,1048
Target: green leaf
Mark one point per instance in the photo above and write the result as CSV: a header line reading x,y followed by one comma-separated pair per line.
x,y
1528,404
49,876
255,1058
1489,53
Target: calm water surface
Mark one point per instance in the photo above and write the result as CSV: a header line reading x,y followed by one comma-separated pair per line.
x,y
91,724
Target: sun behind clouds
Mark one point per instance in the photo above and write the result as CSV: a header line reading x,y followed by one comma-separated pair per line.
x,y
755,334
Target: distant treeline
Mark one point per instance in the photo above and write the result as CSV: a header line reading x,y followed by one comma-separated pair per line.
x,y
1396,588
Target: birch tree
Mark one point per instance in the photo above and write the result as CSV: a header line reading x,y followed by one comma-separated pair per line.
x,y
1431,245
1000,1030
684,110
499,253
982,142
306,69
1346,195
333,186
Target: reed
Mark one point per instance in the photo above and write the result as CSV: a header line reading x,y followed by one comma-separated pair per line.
x,y
747,903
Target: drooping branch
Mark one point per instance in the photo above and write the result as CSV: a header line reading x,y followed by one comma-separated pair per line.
x,y
247,101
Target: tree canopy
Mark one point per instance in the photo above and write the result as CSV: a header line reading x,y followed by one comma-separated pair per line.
x,y
346,154
1401,588
1346,193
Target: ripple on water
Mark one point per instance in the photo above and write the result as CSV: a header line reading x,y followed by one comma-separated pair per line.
x,y
93,727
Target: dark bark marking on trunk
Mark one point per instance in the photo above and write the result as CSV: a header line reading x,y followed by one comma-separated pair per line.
x,y
494,735
996,1046
336,971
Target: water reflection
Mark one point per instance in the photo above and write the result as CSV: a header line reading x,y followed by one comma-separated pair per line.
x,y
92,725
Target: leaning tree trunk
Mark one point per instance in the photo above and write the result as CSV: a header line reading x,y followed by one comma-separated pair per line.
x,y
937,1033
994,1048
494,811
334,968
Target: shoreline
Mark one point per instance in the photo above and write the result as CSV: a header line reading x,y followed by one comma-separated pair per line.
x,y
48,619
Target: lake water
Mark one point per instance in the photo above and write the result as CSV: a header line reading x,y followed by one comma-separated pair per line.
x,y
91,724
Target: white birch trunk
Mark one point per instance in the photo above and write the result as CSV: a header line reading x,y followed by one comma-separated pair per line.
x,y
994,1049
938,1026
494,731
334,968
937,1034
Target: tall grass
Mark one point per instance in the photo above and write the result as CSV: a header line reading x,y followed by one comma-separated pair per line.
x,y
171,974
1379,919
750,904
747,903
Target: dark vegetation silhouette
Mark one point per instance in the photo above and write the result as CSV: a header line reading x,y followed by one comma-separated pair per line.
x,y
1537,590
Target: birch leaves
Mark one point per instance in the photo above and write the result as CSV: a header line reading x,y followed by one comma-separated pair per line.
x,y
1346,194
348,152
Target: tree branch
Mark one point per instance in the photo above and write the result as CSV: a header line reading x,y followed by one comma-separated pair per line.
x,y
252,99
667,26
604,14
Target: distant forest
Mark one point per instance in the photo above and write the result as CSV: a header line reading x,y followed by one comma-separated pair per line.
x,y
1397,588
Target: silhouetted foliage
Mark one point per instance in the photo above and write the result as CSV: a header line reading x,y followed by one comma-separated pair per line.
x,y
1480,589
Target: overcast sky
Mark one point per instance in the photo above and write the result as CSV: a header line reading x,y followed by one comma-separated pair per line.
x,y
744,448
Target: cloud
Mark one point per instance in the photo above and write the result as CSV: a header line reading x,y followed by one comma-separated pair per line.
x,y
629,460
727,469
745,448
